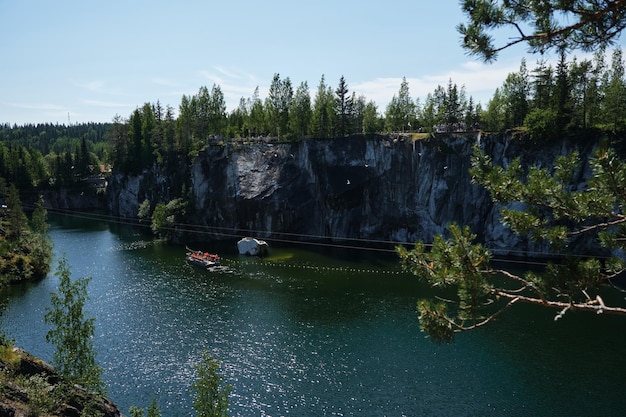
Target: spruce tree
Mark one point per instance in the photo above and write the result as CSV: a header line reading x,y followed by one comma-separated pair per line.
x,y
343,107
18,221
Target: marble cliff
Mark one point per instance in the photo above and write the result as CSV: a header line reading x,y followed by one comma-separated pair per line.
x,y
377,188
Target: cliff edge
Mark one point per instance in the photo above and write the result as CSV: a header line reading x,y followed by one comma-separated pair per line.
x,y
30,386
368,188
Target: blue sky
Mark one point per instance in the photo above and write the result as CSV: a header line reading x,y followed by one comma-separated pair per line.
x,y
88,61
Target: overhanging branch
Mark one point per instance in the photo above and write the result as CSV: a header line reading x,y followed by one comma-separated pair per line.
x,y
594,305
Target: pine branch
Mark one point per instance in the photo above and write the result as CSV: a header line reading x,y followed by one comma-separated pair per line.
x,y
593,305
600,226
461,328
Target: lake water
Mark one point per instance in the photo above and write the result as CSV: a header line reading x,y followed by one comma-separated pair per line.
x,y
312,332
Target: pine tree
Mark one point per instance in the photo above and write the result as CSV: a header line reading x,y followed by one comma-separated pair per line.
x,y
257,115
18,222
544,204
343,107
323,118
278,103
541,25
371,120
562,95
615,93
400,112
217,112
300,112
515,93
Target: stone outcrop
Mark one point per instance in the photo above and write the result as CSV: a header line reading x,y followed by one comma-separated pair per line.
x,y
252,247
349,188
28,386
88,199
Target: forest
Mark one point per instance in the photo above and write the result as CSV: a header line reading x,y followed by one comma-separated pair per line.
x,y
574,98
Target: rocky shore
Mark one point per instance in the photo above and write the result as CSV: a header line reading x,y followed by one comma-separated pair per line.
x,y
31,387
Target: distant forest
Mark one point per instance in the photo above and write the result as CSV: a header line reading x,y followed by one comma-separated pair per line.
x,y
575,98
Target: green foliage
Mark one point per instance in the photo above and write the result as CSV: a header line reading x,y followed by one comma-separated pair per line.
x,y
72,333
515,96
454,262
38,219
17,219
165,218
211,395
39,241
144,210
43,155
401,110
153,410
541,25
25,249
91,408
574,97
371,123
343,108
277,105
42,396
135,411
494,117
614,94
323,117
6,342
543,204
159,219
300,112
435,321
541,124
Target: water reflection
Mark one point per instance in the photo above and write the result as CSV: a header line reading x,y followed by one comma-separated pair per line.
x,y
307,334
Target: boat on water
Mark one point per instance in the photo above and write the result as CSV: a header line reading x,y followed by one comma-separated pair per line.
x,y
202,259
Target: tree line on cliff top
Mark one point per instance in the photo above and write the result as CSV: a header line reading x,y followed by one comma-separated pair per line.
x,y
572,98
547,102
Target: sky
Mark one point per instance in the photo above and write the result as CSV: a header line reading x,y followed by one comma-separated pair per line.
x,y
88,61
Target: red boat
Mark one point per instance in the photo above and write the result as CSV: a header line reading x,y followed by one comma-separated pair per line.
x,y
202,259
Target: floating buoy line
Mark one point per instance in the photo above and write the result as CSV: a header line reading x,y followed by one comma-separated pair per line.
x,y
311,267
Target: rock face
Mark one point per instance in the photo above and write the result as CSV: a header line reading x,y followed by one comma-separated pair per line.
x,y
29,385
349,188
252,247
86,200
343,188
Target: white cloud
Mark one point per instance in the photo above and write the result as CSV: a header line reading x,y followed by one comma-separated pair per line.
x,y
226,72
234,84
379,90
164,82
100,103
98,86
211,77
480,82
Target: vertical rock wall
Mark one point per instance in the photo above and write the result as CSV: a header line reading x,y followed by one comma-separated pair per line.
x,y
377,189
357,188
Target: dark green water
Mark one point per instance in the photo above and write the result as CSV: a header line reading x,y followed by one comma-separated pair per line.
x,y
310,333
